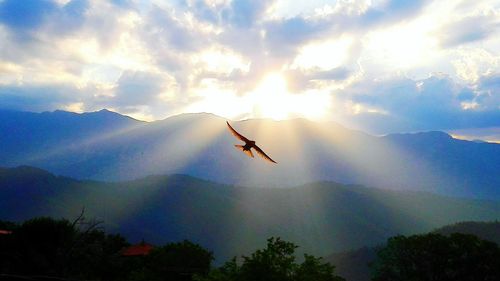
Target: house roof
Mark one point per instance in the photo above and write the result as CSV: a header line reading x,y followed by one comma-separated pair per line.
x,y
141,249
5,232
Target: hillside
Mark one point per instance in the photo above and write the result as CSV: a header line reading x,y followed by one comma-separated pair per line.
x,y
323,217
353,265
484,230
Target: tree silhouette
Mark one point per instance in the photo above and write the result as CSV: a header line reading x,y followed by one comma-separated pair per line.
x,y
437,257
274,263
60,248
175,261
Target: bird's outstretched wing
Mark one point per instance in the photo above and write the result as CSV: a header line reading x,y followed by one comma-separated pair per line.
x,y
263,154
236,134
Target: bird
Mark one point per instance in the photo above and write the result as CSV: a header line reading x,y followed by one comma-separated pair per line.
x,y
249,144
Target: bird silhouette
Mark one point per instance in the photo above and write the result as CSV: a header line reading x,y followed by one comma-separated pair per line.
x,y
249,144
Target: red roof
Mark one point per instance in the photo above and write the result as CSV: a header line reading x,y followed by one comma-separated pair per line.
x,y
5,232
141,249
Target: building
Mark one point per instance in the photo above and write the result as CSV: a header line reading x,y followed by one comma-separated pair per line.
x,y
141,249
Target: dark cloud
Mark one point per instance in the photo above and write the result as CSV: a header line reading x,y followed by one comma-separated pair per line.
x,y
75,8
141,92
430,104
137,88
489,92
392,11
26,14
26,17
246,13
134,92
283,37
203,12
490,82
38,98
71,16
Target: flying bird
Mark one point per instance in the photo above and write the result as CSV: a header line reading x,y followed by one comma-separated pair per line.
x,y
249,144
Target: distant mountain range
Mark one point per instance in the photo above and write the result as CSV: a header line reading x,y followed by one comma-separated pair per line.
x,y
322,217
107,146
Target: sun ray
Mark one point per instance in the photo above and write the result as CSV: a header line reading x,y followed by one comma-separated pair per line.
x,y
81,145
181,144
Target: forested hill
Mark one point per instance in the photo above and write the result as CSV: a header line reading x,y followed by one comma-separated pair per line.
x,y
322,217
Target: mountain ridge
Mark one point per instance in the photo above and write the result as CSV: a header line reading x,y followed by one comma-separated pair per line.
x,y
198,144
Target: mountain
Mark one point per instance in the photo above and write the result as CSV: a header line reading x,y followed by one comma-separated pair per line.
x,y
322,217
485,230
29,137
353,265
107,146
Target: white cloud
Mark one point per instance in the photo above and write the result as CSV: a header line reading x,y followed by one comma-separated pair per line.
x,y
357,58
473,63
324,55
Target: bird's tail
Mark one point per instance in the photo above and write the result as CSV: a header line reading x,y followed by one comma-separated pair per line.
x,y
242,148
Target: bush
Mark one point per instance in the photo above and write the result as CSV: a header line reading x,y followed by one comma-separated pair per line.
x,y
437,257
175,261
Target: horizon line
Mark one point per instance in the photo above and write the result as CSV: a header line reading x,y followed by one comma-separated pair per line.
x,y
446,131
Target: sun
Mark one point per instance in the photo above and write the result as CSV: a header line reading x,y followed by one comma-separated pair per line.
x,y
271,99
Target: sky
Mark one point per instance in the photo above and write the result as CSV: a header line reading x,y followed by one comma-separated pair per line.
x,y
381,66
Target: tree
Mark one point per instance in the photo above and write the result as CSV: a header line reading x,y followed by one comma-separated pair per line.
x,y
7,260
437,257
274,263
175,261
60,248
40,246
313,269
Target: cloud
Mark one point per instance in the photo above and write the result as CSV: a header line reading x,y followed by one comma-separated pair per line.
x,y
435,103
38,98
469,29
301,80
157,58
24,15
393,10
472,63
123,3
245,13
490,134
141,88
489,92
60,31
26,18
171,32
284,37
